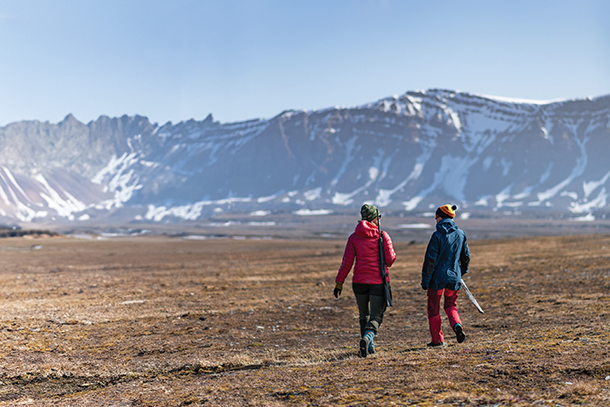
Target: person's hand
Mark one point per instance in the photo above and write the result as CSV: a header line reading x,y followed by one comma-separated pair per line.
x,y
424,288
338,289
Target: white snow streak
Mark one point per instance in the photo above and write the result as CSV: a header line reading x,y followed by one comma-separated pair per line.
x,y
599,202
313,194
503,196
589,187
4,196
260,213
13,181
267,198
346,198
349,156
187,212
453,175
121,182
586,218
519,101
413,202
524,194
414,226
483,201
64,207
384,196
579,168
23,212
310,212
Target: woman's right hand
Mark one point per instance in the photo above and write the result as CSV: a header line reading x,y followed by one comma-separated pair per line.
x,y
338,289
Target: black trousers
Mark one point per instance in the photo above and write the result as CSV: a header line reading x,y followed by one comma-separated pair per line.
x,y
371,305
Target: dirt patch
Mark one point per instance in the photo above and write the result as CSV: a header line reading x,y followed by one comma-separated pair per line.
x,y
157,321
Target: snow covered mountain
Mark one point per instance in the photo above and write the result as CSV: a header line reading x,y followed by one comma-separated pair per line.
x,y
406,153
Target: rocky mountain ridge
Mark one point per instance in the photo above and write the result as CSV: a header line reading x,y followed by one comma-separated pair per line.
x,y
405,153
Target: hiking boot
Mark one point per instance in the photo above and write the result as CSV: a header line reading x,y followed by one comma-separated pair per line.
x,y
436,345
459,333
371,348
364,346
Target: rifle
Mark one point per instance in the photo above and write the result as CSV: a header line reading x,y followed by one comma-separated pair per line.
x,y
382,268
471,297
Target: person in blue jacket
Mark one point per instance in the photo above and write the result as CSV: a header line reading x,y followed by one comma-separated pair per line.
x,y
446,261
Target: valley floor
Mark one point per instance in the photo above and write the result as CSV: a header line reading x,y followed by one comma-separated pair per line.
x,y
162,321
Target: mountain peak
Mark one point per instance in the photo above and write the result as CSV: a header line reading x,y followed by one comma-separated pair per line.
x,y
69,119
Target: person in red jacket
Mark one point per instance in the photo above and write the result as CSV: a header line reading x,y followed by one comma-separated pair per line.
x,y
363,246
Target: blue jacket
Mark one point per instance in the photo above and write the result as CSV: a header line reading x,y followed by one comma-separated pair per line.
x,y
447,257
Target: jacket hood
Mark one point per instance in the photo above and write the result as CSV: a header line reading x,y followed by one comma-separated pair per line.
x,y
446,226
367,229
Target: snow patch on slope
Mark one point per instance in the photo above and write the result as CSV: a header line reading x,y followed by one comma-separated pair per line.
x,y
579,168
65,207
599,202
123,181
187,212
589,187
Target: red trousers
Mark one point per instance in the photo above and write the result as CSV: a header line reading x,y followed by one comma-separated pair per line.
x,y
434,317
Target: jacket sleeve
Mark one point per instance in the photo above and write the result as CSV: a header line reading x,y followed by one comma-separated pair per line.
x,y
348,261
429,261
388,250
464,257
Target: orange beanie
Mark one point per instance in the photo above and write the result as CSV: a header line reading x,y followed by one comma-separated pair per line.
x,y
446,211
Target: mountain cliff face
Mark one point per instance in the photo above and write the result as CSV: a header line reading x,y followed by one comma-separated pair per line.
x,y
407,153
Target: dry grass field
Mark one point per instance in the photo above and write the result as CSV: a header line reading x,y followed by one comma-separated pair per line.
x,y
161,321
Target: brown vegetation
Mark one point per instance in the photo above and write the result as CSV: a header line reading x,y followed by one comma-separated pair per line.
x,y
161,321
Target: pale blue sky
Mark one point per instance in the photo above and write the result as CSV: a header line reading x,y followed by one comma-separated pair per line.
x,y
182,59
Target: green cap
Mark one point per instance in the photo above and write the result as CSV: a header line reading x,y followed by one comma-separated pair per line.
x,y
369,212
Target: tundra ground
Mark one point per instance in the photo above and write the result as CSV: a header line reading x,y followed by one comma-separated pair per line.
x,y
160,321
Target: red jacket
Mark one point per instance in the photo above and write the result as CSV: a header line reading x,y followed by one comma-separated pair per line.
x,y
363,245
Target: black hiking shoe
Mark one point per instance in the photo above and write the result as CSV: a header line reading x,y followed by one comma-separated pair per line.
x,y
459,333
364,346
436,345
